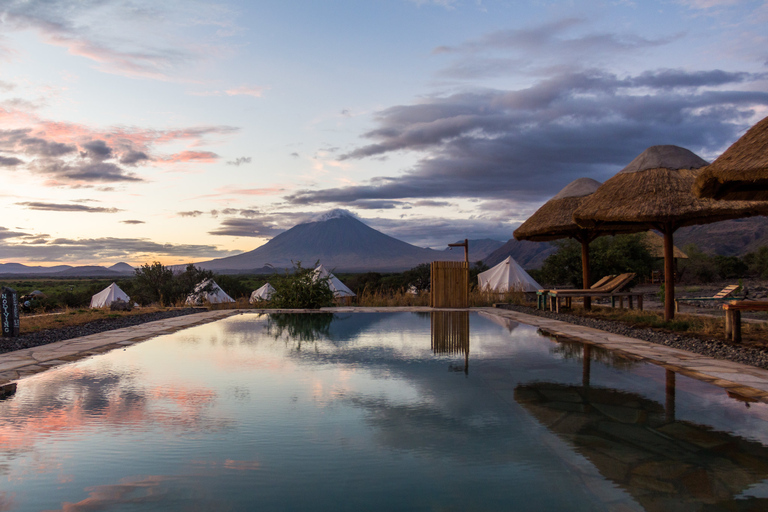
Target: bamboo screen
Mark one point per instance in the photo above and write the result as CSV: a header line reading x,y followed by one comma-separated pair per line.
x,y
449,284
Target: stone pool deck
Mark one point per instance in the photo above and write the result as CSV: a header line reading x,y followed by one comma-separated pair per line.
x,y
746,382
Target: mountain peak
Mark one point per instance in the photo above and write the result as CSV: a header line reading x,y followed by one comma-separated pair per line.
x,y
337,213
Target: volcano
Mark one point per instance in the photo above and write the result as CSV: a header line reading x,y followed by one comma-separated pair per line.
x,y
339,241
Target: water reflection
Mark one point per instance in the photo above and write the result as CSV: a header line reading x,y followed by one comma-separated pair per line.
x,y
664,463
450,334
300,327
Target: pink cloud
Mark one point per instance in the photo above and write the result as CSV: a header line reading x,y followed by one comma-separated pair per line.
x,y
244,90
191,156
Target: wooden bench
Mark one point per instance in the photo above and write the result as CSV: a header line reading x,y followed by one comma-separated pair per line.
x,y
733,316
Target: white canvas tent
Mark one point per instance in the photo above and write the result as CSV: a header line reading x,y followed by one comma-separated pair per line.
x,y
215,296
338,288
507,276
263,293
109,295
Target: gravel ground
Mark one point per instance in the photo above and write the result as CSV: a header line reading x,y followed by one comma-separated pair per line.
x,y
46,336
708,347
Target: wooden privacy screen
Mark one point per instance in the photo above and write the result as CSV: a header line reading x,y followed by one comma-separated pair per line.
x,y
449,284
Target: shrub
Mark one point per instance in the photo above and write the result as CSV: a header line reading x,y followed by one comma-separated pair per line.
x,y
300,289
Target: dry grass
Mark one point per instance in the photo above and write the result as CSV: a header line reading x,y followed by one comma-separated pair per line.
x,y
72,317
368,298
477,298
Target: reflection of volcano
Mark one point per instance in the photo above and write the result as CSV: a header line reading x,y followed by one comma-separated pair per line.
x,y
664,463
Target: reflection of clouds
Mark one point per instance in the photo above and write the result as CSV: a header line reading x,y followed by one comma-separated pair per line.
x,y
150,489
235,465
6,501
426,429
73,399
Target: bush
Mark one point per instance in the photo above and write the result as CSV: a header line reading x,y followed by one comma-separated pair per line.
x,y
299,289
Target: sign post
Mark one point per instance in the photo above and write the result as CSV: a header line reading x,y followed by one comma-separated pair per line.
x,y
9,312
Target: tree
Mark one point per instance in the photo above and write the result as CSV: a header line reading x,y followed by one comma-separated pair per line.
x,y
153,283
157,283
301,289
608,255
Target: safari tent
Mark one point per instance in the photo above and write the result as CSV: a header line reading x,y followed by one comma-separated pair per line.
x,y
262,294
215,296
109,295
507,276
338,288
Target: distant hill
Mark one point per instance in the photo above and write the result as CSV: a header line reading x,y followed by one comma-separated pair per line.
x,y
18,268
478,249
727,238
527,254
123,268
88,271
339,241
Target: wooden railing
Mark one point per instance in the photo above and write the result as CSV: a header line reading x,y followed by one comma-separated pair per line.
x,y
449,284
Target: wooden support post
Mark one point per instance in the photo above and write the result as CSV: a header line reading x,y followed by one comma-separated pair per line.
x,y
669,274
736,326
586,280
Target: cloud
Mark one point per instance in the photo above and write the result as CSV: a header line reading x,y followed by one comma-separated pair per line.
x,y
437,232
253,91
7,233
55,207
244,90
12,161
247,227
102,33
76,156
133,157
531,49
194,213
45,249
240,161
192,156
526,144
132,221
97,150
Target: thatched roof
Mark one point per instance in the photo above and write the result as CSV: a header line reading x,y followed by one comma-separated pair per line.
x,y
655,244
741,173
659,197
554,220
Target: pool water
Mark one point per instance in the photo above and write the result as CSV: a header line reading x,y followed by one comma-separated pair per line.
x,y
385,411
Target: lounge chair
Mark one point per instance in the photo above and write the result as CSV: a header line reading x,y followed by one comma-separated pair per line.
x,y
721,296
541,295
610,289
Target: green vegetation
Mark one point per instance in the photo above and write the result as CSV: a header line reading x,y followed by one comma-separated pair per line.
x,y
300,289
608,255
704,268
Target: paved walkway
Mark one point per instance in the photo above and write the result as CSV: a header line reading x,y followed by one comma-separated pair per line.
x,y
747,382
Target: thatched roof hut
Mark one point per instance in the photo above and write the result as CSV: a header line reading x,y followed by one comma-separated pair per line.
x,y
655,192
654,242
554,220
741,172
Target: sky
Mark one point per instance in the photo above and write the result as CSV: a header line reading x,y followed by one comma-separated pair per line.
x,y
185,130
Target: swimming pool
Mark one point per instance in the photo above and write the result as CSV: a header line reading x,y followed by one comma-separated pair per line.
x,y
375,411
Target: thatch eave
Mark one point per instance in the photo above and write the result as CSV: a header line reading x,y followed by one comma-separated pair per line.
x,y
656,198
741,172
